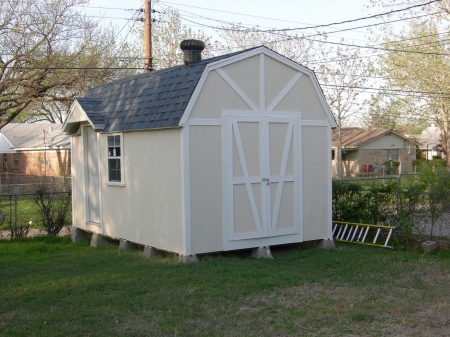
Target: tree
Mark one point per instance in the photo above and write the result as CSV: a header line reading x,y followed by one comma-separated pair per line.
x,y
417,65
167,34
50,54
342,74
294,47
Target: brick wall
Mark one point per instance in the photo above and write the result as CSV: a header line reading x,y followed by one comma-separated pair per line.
x,y
50,163
353,160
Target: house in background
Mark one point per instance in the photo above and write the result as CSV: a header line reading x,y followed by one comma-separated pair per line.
x,y
34,149
431,143
226,153
366,152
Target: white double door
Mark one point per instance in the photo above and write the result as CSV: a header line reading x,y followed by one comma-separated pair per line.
x,y
263,176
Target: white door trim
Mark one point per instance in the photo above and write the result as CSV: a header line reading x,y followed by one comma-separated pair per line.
x,y
233,126
267,225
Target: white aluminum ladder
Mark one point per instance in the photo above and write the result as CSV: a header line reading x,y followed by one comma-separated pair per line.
x,y
357,233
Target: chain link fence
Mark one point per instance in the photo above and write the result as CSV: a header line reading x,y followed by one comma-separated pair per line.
x,y
416,204
34,202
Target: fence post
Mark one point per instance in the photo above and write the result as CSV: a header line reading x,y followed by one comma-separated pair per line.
x,y
399,187
15,214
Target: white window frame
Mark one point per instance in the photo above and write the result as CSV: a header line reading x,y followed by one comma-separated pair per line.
x,y
122,181
16,160
5,163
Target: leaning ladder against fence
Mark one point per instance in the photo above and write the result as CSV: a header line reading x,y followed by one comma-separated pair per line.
x,y
358,233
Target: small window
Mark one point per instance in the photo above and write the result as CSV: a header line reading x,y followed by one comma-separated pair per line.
x,y
394,154
114,159
5,163
332,154
16,160
385,155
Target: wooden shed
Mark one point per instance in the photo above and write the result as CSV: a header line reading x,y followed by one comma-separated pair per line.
x,y
220,154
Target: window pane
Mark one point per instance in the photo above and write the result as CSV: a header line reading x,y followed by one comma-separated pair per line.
x,y
385,155
114,146
114,170
394,154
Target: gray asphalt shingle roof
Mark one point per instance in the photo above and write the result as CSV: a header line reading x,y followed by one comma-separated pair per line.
x,y
355,137
150,100
31,135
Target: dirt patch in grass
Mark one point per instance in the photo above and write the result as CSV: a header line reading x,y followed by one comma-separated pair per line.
x,y
6,235
415,307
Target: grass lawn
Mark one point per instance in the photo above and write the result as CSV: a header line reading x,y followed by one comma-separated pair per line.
x,y
51,287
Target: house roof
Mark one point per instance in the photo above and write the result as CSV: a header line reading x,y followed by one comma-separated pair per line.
x,y
35,135
355,137
155,99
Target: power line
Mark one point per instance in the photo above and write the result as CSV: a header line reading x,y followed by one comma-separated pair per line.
x,y
315,26
330,42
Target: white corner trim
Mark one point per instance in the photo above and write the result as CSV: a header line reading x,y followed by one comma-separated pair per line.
x,y
284,92
262,83
330,186
236,88
186,183
315,123
99,160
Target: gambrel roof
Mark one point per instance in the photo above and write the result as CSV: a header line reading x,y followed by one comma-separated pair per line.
x,y
355,137
155,99
151,100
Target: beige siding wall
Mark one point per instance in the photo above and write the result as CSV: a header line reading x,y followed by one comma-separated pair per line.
x,y
206,188
148,209
246,74
205,150
303,98
277,76
385,142
215,96
78,213
316,183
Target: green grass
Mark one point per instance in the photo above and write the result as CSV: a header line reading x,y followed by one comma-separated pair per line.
x,y
25,209
51,287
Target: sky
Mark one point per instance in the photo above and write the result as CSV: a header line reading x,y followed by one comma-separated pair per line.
x,y
280,14
263,13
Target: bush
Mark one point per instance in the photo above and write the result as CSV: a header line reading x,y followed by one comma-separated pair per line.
x,y
417,204
53,207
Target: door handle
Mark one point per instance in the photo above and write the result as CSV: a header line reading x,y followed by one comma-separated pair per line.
x,y
266,180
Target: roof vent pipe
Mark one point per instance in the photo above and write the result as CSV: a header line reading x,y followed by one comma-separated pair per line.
x,y
192,50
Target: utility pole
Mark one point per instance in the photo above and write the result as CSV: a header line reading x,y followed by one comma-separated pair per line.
x,y
148,34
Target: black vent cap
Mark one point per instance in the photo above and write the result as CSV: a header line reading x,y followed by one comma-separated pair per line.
x,y
192,45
